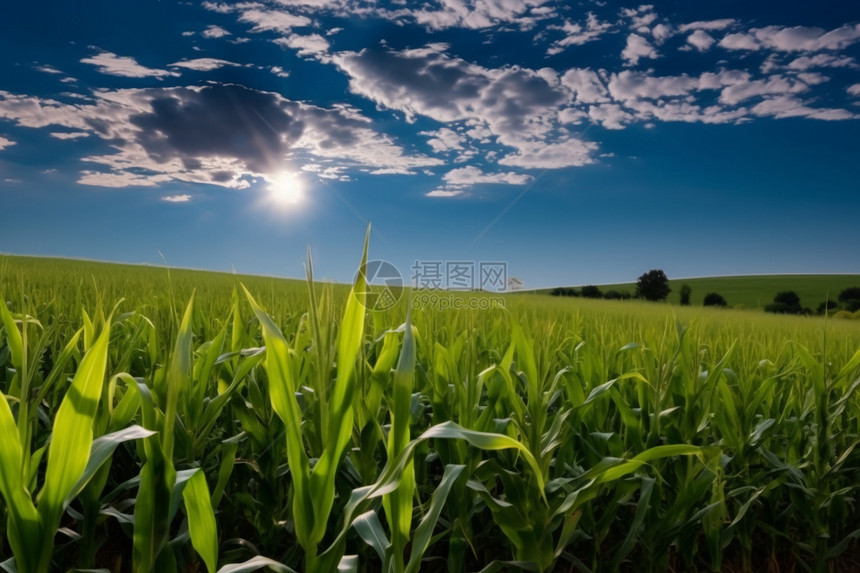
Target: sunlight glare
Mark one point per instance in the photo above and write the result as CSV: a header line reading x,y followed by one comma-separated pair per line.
x,y
287,189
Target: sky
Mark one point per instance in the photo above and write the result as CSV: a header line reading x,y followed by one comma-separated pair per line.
x,y
574,142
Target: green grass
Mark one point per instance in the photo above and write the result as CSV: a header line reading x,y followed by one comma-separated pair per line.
x,y
754,292
283,426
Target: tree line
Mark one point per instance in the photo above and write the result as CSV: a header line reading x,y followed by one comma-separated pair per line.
x,y
654,286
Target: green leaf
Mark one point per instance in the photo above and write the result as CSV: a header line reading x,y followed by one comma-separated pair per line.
x,y
256,563
398,504
369,528
349,342
486,441
424,531
102,450
72,434
178,379
282,394
13,337
24,529
201,519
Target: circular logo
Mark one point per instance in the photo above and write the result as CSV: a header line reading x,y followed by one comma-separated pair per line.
x,y
384,285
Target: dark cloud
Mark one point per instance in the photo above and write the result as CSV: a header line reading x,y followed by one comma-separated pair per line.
x,y
430,83
218,120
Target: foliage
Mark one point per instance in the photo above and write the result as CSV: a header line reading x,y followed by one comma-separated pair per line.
x,y
785,302
686,291
850,298
285,427
591,291
714,299
653,285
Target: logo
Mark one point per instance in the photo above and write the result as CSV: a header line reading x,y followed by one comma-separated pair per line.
x,y
384,285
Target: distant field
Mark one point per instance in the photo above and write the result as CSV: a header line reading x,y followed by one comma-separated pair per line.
x,y
755,291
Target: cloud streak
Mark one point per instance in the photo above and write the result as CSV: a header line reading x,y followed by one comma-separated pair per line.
x,y
124,66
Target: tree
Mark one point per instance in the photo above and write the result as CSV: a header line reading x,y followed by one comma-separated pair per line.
x,y
714,299
785,302
653,285
591,291
850,298
685,294
827,306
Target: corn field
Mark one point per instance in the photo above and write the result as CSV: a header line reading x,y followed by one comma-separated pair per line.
x,y
284,426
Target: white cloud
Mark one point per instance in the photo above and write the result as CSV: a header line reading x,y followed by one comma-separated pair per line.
x,y
444,139
69,134
853,90
120,179
213,31
563,152
710,25
4,143
630,85
272,20
739,42
312,45
474,14
48,69
789,106
641,18
610,115
221,8
327,172
471,175
202,64
701,40
793,39
459,181
661,33
774,85
586,85
637,47
822,61
444,193
676,98
182,198
578,34
124,66
519,106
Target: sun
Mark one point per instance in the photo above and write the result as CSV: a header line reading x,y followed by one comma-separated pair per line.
x,y
287,189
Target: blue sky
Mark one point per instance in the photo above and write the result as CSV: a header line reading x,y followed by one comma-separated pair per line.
x,y
577,142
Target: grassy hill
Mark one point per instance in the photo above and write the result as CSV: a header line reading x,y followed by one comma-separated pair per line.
x,y
755,291
114,280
